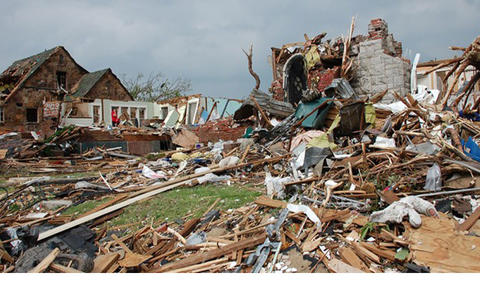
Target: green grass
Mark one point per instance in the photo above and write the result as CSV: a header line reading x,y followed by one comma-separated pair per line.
x,y
176,204
85,206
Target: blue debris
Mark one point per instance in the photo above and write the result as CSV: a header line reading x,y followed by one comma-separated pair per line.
x,y
471,149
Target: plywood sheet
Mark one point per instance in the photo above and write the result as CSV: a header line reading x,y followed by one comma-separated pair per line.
x,y
438,245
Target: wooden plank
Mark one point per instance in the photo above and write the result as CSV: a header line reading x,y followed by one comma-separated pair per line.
x,y
438,245
390,255
162,248
5,256
45,263
264,116
62,269
306,180
103,262
470,221
203,257
199,266
338,266
352,259
104,205
113,268
266,201
362,251
103,212
213,268
133,260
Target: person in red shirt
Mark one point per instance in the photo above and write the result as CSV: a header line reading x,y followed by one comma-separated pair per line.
x,y
115,119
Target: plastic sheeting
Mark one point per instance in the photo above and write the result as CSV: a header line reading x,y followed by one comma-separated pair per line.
x,y
316,119
471,149
434,178
275,185
149,173
295,208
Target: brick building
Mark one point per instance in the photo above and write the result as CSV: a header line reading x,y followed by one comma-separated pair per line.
x,y
33,89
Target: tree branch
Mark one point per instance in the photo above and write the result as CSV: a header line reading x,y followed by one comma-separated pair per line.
x,y
250,69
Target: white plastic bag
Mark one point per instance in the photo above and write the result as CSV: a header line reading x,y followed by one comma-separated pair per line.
x,y
149,173
275,185
434,178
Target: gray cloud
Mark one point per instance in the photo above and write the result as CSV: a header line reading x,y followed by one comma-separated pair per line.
x,y
202,40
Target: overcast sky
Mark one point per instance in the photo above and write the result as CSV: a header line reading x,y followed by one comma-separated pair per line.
x,y
202,40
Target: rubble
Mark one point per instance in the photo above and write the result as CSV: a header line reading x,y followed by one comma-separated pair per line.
x,y
357,183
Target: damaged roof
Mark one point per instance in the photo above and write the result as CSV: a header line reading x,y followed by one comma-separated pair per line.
x,y
87,82
28,65
19,71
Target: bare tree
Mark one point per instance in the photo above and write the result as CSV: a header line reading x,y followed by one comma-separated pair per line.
x,y
155,87
250,68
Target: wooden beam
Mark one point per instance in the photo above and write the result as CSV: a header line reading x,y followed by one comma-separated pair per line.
x,y
266,201
390,255
45,263
62,269
104,211
199,266
352,259
103,262
470,221
5,256
361,250
264,116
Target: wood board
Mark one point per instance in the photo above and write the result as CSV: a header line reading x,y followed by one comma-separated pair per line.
x,y
438,245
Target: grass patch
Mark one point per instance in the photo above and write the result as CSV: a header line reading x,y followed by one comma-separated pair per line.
x,y
177,203
85,206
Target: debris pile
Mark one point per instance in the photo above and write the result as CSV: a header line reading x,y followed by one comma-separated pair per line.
x,y
351,184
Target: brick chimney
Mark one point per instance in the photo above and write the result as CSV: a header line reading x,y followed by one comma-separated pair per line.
x,y
377,29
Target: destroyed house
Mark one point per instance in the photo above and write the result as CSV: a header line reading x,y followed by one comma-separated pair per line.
x,y
195,109
433,75
371,63
33,89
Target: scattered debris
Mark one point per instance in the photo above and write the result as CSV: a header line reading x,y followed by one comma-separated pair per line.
x,y
342,168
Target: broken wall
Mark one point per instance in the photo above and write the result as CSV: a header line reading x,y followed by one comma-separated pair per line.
x,y
40,87
379,65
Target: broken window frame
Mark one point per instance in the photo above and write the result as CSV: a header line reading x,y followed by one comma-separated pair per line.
x,y
29,112
190,120
61,78
96,114
133,113
164,112
124,110
141,115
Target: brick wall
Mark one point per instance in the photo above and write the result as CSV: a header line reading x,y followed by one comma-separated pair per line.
x,y
379,64
41,86
46,75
